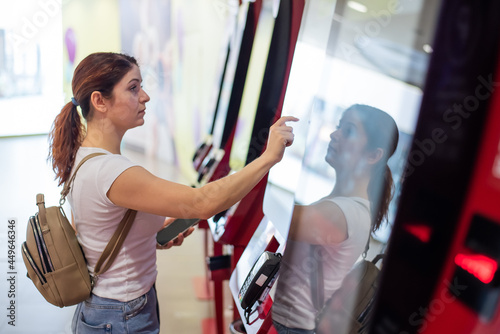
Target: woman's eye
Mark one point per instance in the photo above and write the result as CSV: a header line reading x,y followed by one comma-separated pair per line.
x,y
349,132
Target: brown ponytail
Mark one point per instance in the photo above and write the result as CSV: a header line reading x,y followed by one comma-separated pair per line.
x,y
65,139
380,193
97,72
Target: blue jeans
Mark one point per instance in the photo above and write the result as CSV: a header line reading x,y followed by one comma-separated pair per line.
x,y
285,330
103,315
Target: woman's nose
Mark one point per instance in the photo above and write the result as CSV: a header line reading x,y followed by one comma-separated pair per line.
x,y
334,136
145,96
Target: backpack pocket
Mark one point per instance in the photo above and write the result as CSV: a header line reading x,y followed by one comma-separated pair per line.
x,y
29,259
68,286
47,265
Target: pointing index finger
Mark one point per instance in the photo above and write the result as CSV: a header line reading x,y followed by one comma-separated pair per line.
x,y
285,119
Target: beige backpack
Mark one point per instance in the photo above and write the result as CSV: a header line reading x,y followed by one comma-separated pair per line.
x,y
53,257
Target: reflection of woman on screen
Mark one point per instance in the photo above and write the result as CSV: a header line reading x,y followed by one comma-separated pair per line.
x,y
338,225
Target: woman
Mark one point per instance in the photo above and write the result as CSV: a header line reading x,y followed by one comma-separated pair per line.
x,y
107,87
337,226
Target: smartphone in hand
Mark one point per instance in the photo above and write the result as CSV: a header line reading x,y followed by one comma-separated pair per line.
x,y
172,230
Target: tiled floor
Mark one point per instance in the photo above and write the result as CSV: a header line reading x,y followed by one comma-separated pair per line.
x,y
24,172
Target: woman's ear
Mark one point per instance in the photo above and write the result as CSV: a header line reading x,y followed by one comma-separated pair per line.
x,y
98,102
375,156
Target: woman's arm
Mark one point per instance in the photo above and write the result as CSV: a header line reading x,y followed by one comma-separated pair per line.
x,y
138,189
319,223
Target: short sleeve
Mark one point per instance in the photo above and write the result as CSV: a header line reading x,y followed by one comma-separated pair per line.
x,y
355,211
107,169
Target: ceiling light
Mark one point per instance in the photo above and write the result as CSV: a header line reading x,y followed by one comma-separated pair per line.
x,y
357,6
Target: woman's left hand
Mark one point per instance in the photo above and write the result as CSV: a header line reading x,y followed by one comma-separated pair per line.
x,y
177,241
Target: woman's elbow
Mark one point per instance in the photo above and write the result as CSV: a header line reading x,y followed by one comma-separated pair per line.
x,y
192,211
210,210
207,206
205,215
199,210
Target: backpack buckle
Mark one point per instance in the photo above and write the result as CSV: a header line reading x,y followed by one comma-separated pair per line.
x,y
93,280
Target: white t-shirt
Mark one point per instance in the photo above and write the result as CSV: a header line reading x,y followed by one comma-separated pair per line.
x,y
293,306
96,218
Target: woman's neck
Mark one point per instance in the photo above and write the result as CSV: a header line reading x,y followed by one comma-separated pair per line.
x,y
349,185
103,137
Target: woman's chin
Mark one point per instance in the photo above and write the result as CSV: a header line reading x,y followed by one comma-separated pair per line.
x,y
137,124
330,160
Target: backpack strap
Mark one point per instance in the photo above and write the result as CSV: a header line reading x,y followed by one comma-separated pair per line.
x,y
317,280
378,258
115,243
67,185
367,247
40,202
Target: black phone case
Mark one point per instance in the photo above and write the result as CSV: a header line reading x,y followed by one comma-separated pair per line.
x,y
173,229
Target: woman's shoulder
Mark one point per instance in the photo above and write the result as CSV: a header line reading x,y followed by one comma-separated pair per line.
x,y
352,207
85,151
106,161
356,211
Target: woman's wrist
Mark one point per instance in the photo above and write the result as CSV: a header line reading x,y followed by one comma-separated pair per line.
x,y
267,160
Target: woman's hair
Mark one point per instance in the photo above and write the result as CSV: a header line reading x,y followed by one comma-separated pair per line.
x,y
382,132
97,72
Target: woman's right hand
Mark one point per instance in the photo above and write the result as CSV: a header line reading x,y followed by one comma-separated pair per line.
x,y
280,137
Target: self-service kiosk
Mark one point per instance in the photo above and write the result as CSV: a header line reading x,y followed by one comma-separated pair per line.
x,y
441,273
238,98
261,103
207,144
247,111
211,160
262,108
